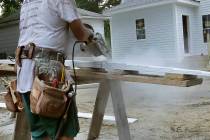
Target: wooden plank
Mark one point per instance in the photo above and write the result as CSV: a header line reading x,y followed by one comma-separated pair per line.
x,y
7,70
99,110
151,79
22,130
143,69
180,76
193,82
119,110
91,74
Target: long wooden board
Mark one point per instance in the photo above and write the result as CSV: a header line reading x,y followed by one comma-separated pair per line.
x,y
177,80
110,66
143,69
7,70
162,80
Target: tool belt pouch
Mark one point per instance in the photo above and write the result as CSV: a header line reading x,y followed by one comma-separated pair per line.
x,y
12,98
48,101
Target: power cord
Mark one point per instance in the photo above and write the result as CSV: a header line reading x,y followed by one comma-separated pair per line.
x,y
73,64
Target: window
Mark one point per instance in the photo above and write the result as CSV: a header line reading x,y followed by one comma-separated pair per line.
x,y
140,29
206,27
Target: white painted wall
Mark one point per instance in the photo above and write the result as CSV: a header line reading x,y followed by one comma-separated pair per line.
x,y
159,46
196,46
98,24
205,7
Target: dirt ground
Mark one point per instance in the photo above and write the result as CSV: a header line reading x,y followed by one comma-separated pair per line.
x,y
163,112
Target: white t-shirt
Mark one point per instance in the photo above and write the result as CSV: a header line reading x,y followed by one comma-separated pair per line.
x,y
45,23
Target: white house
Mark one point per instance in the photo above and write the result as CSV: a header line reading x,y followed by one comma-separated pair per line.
x,y
161,32
9,29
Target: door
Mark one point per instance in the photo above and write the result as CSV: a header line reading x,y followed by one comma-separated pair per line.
x,y
185,21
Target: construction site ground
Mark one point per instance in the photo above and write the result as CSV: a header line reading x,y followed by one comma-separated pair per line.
x,y
163,113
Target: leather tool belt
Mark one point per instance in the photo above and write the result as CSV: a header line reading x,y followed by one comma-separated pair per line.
x,y
31,51
49,94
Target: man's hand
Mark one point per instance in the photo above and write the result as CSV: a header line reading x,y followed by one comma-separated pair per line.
x,y
80,31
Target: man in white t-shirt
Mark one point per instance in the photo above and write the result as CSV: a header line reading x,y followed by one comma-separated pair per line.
x,y
46,24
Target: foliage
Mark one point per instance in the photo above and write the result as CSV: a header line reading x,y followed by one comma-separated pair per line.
x,y
92,5
110,3
97,5
9,6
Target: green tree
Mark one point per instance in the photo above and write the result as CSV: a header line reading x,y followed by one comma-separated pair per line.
x,y
90,5
97,5
9,6
110,3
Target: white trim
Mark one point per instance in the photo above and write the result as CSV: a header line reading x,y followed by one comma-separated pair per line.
x,y
187,2
91,17
176,33
126,8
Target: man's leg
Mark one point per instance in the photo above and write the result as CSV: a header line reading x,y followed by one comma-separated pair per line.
x,y
71,128
38,132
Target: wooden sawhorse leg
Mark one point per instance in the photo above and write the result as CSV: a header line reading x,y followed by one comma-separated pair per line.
x,y
22,130
99,110
119,110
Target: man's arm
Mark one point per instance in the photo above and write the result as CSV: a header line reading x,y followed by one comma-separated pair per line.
x,y
80,31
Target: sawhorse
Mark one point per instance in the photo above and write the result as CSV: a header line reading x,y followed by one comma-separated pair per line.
x,y
109,83
105,88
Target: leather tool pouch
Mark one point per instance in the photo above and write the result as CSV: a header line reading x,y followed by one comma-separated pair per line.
x,y
13,99
50,88
48,101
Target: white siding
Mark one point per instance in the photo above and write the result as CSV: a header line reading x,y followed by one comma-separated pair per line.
x,y
205,7
158,47
8,39
196,47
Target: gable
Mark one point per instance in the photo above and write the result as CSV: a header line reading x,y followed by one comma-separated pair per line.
x,y
129,5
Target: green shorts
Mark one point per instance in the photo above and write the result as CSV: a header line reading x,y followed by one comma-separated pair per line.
x,y
45,126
